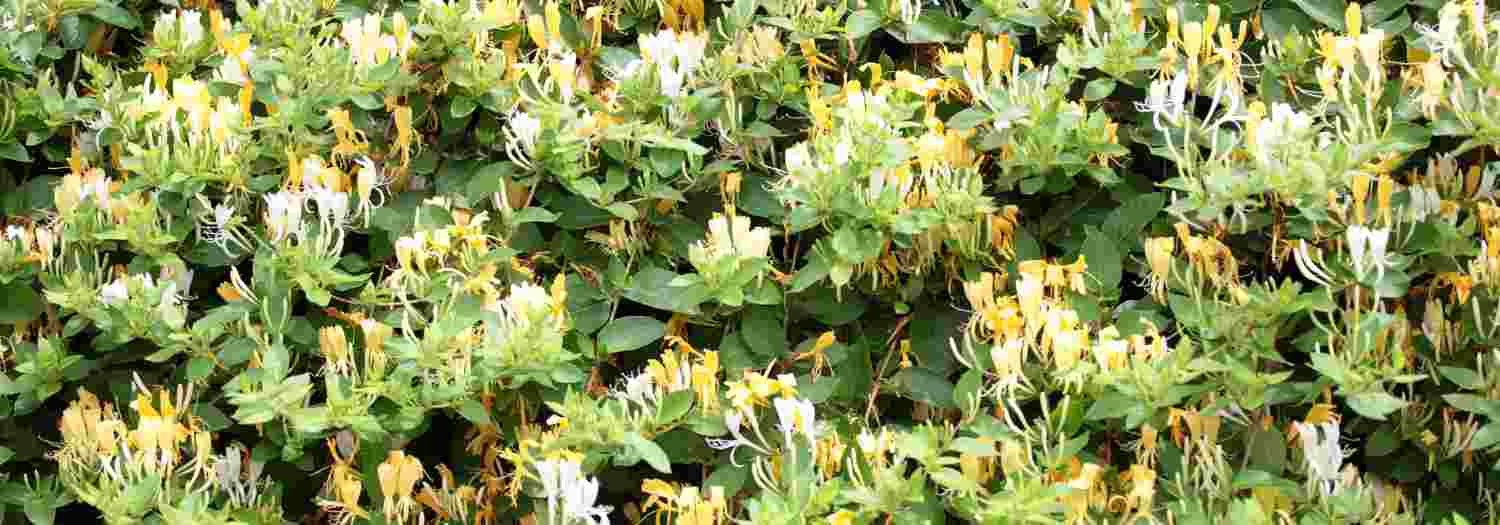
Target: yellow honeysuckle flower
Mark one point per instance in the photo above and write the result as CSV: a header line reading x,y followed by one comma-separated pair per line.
x,y
398,479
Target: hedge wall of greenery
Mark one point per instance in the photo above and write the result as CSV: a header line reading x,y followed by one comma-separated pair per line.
x,y
749,261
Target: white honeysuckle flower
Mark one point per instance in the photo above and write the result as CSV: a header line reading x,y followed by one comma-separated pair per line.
x,y
1442,40
229,70
1367,248
551,473
579,497
99,190
676,57
214,229
569,494
625,72
312,169
115,292
856,103
333,206
690,49
222,214
527,300
369,184
872,444
15,232
1324,456
284,214
883,179
638,389
734,236
182,281
169,298
1310,267
166,25
225,116
1357,238
1422,202
1166,100
568,62
521,136
659,47
797,158
733,419
1284,129
729,238
910,10
191,27
526,127
408,248
367,45
671,80
1486,184
153,101
795,416
390,46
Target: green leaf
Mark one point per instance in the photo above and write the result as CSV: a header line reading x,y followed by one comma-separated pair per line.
x,y
21,303
1103,260
386,71
1125,222
199,368
815,270
829,308
974,447
1463,377
629,333
1110,405
116,16
533,214
1375,405
861,23
1330,367
1267,448
487,181
1486,437
1382,442
926,387
931,27
1329,12
39,513
1381,10
1281,21
474,412
1249,479
650,452
213,419
623,211
1475,404
674,406
970,118
14,151
461,107
968,386
729,476
652,287
1098,89
366,101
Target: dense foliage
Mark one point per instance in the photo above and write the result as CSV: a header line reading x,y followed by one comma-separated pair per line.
x,y
749,261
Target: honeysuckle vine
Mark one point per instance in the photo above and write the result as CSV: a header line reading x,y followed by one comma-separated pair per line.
x,y
749,261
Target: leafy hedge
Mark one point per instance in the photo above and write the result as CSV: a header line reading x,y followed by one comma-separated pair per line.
x,y
755,261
